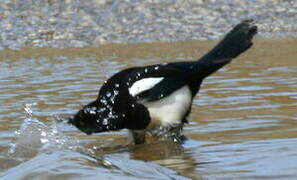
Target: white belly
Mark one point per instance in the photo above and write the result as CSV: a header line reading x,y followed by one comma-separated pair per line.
x,y
171,109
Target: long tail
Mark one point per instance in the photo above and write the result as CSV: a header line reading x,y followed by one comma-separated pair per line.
x,y
237,41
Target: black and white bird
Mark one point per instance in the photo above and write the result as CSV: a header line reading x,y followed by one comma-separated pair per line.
x,y
144,98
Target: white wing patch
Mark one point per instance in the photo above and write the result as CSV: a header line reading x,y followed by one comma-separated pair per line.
x,y
143,85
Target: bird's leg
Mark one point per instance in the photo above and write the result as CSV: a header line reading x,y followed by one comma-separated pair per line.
x,y
176,133
138,137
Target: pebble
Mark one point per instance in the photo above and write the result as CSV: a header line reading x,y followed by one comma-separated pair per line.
x,y
76,43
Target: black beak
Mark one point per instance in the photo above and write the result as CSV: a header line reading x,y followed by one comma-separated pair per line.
x,y
70,120
88,133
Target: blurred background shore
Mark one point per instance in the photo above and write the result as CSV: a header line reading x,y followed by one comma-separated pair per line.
x,y
80,23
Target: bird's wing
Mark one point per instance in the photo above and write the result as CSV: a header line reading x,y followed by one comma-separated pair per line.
x,y
155,82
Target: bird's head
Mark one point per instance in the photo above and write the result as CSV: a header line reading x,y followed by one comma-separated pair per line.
x,y
88,119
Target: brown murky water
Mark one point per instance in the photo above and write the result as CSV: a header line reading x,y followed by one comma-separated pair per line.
x,y
243,123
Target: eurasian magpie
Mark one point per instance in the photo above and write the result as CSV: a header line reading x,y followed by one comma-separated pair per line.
x,y
159,96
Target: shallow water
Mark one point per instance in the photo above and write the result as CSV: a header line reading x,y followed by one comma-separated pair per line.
x,y
243,122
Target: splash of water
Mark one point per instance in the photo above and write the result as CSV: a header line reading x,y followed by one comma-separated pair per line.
x,y
35,136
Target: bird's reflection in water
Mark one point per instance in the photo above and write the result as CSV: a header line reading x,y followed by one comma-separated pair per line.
x,y
164,152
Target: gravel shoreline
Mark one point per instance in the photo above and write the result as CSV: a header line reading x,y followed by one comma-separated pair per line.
x,y
79,23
